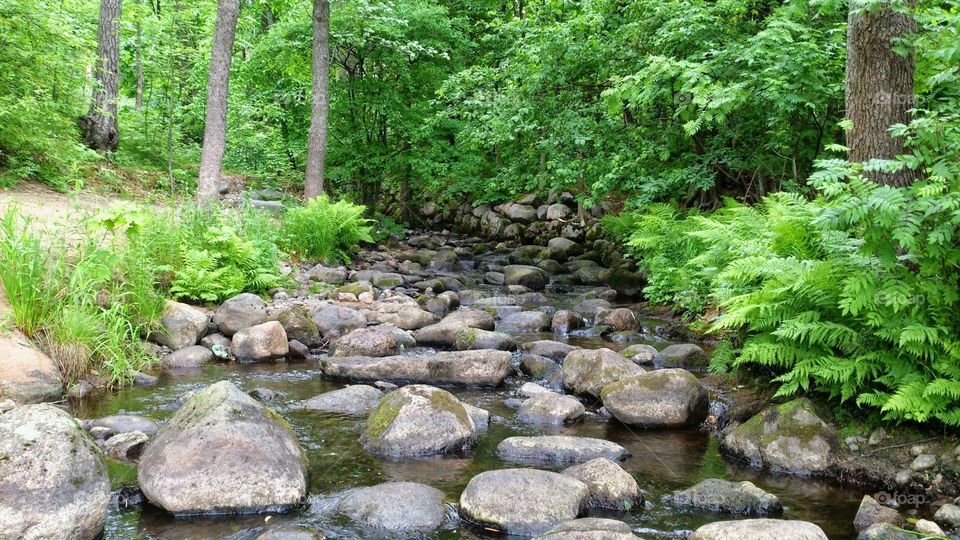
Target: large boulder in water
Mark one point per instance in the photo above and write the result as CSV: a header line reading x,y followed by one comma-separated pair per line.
x,y
667,398
759,529
588,371
521,502
223,452
610,486
53,481
396,507
180,326
418,420
27,375
590,529
559,449
550,408
717,495
260,343
470,368
529,276
357,399
788,438
371,341
241,311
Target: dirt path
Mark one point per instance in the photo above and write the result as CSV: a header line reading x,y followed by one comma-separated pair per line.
x,y
46,206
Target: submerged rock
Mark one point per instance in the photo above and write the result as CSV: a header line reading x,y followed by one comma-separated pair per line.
x,y
588,371
666,398
871,512
885,531
396,507
610,486
719,495
53,480
559,449
788,438
480,368
418,420
125,446
759,529
523,502
358,399
124,423
590,529
223,452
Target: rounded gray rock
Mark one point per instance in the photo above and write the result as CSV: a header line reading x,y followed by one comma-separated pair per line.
x,y
551,408
666,398
241,311
396,507
559,449
358,399
418,420
759,529
610,486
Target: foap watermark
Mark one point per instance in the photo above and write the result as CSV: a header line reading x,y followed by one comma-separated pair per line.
x,y
887,298
682,98
897,499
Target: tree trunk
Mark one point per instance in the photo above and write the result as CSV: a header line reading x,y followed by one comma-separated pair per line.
x,y
100,130
879,86
317,143
218,82
139,59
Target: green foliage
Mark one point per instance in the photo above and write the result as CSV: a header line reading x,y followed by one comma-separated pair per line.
x,y
87,302
324,230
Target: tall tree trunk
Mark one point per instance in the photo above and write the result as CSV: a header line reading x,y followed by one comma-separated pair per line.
x,y
218,82
317,143
879,85
100,130
139,60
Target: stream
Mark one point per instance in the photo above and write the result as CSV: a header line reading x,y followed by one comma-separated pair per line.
x,y
661,462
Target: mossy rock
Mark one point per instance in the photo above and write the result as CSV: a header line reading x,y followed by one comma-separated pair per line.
x,y
418,420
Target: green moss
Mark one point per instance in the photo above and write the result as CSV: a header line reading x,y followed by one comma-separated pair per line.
x,y
382,416
442,400
466,338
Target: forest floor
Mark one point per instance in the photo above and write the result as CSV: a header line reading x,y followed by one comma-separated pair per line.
x,y
46,206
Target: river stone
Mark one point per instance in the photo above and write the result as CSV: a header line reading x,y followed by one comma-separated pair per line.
x,y
494,278
759,529
559,449
476,339
53,481
123,423
290,533
180,326
396,507
565,321
27,375
525,322
372,341
640,354
188,357
531,277
589,529
518,212
480,368
474,318
885,531
619,320
948,516
260,343
550,408
538,367
553,350
408,318
223,452
685,355
357,399
588,371
529,389
299,326
718,495
442,334
663,399
334,321
561,249
522,502
418,420
871,512
788,438
325,274
241,311
610,486
125,446
627,284
480,417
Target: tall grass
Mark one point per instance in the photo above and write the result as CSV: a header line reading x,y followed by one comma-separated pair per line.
x,y
29,273
324,230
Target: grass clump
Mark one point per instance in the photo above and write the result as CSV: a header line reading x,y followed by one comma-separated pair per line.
x,y
324,230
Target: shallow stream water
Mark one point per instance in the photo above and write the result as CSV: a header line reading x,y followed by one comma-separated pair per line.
x,y
662,461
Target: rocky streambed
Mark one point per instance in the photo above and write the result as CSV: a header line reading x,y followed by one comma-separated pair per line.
x,y
441,387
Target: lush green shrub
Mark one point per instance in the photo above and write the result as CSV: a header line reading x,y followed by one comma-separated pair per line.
x,y
324,230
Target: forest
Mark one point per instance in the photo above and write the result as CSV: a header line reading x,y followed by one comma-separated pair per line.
x,y
269,256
